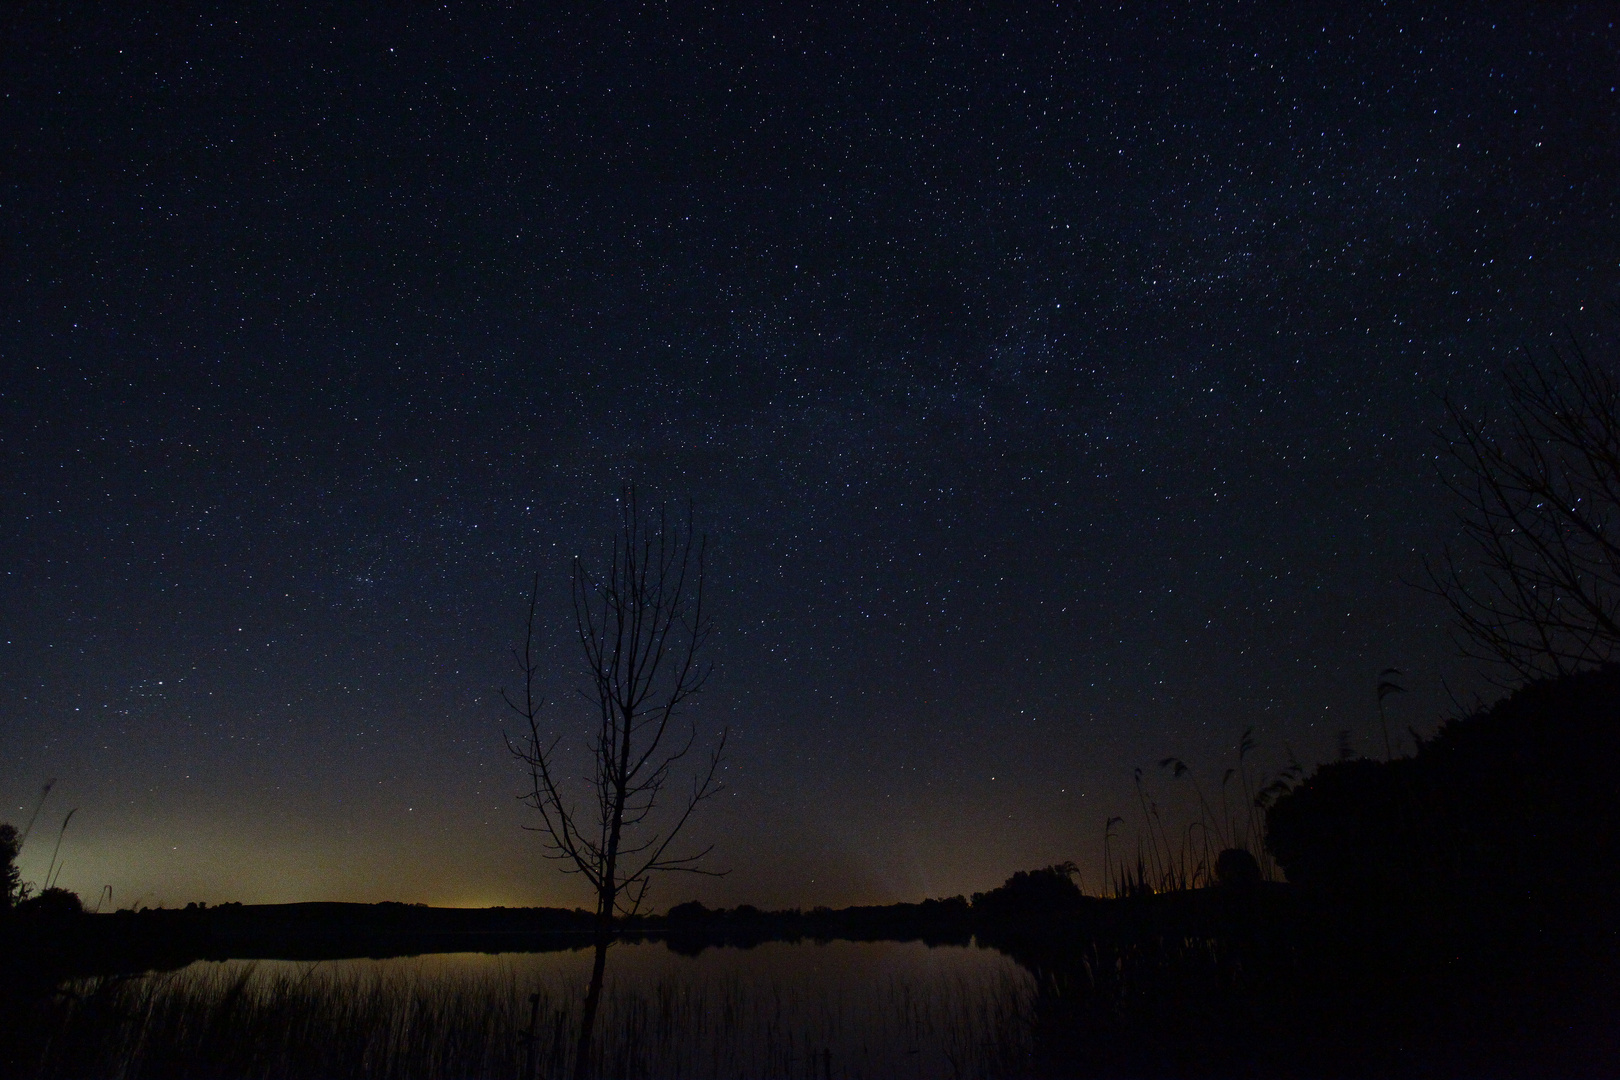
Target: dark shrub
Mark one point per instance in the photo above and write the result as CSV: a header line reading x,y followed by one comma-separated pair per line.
x,y
10,881
53,903
1517,802
1043,893
1343,827
1236,869
690,912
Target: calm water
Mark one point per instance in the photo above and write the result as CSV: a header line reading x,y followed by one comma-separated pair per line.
x,y
840,1009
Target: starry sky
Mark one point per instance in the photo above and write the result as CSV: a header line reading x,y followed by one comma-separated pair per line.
x,y
1057,385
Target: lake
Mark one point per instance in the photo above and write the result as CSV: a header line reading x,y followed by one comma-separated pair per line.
x,y
824,1010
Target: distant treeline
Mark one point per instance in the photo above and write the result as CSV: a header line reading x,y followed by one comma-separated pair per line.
x,y
164,937
1032,904
1505,816
69,939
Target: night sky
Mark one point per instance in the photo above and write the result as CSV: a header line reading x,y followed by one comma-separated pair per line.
x,y
1057,388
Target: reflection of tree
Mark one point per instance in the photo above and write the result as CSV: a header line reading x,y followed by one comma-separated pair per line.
x,y
641,627
1540,496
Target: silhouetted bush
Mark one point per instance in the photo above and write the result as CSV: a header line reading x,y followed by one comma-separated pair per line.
x,y
1236,868
1514,805
10,880
53,903
688,913
1049,892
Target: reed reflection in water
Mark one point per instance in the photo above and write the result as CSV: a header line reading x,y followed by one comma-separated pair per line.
x,y
840,1009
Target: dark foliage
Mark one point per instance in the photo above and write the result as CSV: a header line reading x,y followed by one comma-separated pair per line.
x,y
52,904
10,880
1047,893
1512,806
1237,869
690,913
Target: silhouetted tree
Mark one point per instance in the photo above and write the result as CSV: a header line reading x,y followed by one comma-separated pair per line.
x,y
690,912
52,903
1237,868
641,627
10,877
1049,892
1540,494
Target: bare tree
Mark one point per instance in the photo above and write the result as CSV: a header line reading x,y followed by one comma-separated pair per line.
x,y
1540,495
641,627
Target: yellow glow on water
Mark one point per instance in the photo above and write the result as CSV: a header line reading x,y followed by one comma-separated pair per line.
x,y
868,1009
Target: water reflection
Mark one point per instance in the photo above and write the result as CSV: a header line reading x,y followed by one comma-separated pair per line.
x,y
836,1009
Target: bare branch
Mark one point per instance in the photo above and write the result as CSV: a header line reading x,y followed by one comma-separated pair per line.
x,y
1540,498
641,626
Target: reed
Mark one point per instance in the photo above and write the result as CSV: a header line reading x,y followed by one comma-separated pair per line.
x,y
1173,858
